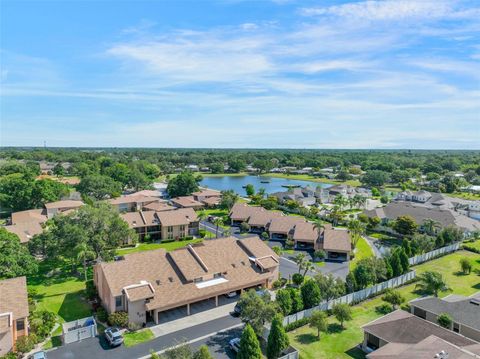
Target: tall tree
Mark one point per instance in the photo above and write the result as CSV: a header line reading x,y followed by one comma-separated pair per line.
x,y
15,260
330,287
184,184
318,320
202,353
405,225
249,345
229,198
432,283
99,187
311,295
277,338
357,229
342,312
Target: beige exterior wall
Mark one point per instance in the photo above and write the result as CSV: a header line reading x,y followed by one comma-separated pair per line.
x,y
176,232
6,342
108,301
137,312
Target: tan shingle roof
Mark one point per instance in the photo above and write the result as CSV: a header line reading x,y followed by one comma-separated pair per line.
x,y
138,292
135,198
134,219
284,224
181,216
32,215
158,206
212,201
242,211
64,204
171,290
13,297
262,217
256,248
25,231
207,193
305,232
186,202
337,240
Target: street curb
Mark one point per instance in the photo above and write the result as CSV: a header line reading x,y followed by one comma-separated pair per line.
x,y
195,340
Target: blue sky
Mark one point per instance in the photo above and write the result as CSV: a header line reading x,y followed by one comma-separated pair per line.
x,y
233,73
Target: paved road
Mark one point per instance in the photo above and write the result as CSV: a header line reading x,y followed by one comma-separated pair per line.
x,y
98,348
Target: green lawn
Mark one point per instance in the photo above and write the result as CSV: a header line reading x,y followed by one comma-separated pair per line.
x,y
363,250
338,343
473,245
386,239
168,246
60,291
135,338
354,183
466,195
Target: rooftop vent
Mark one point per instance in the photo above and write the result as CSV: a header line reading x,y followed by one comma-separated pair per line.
x,y
233,265
170,279
158,281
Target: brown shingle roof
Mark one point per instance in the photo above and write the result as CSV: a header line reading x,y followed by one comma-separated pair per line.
x,y
137,292
158,206
256,248
135,198
32,215
186,202
64,204
242,211
171,290
212,201
134,219
337,240
305,232
207,193
181,216
13,297
262,217
284,224
25,231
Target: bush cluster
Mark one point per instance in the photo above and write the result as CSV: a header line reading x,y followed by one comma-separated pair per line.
x,y
118,319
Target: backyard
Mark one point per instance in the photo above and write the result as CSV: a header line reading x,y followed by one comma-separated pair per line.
x,y
168,246
363,250
338,343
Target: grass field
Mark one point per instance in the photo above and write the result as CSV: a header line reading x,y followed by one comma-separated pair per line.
x,y
354,183
59,291
338,343
168,246
475,246
465,195
386,239
363,250
135,338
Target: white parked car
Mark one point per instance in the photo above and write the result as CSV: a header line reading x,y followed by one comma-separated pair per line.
x,y
231,295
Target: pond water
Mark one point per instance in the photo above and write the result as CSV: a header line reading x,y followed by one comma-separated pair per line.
x,y
273,184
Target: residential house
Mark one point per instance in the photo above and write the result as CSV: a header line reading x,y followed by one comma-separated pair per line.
x,y
161,225
282,228
464,311
132,203
26,224
147,284
209,197
445,217
186,202
404,335
13,312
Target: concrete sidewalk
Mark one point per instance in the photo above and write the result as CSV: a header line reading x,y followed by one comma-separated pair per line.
x,y
192,320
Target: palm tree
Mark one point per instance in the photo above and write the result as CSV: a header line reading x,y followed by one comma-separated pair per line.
x,y
300,259
430,226
357,229
319,226
201,215
336,215
432,283
307,266
84,253
217,222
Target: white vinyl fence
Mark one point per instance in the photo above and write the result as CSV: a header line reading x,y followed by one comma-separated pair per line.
x,y
433,254
354,297
78,330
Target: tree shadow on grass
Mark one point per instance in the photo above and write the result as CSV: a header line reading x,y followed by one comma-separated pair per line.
x,y
460,274
306,339
355,353
74,306
334,328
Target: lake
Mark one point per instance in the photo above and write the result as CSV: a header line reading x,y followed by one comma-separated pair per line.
x,y
237,182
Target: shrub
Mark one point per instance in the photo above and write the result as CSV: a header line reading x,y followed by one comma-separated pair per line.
x,y
244,227
299,323
10,355
42,323
278,250
118,319
444,320
319,255
26,343
289,244
383,309
297,279
466,265
133,327
90,291
265,236
280,283
102,315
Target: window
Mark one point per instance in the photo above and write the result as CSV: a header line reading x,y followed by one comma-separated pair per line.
x,y
118,302
170,229
20,324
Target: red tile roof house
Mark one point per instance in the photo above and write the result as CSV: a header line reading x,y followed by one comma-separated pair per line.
x,y
173,224
146,284
13,312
